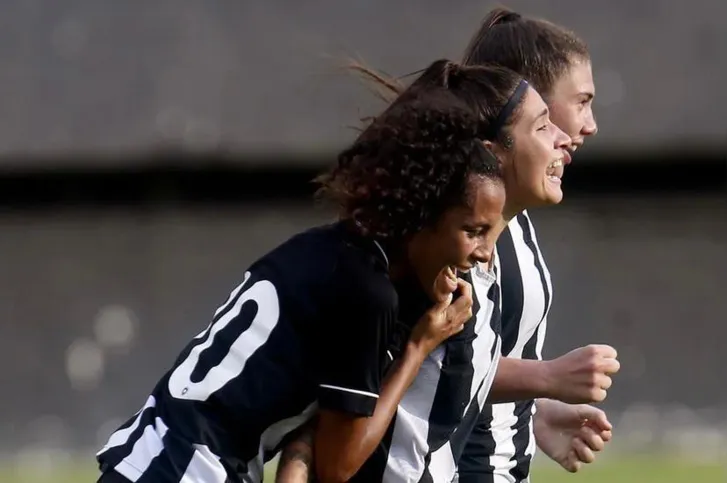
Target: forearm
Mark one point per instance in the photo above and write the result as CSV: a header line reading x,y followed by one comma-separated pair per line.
x,y
519,380
296,459
339,458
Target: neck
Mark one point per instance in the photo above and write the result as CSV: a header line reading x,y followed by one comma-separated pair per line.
x,y
398,266
511,211
397,271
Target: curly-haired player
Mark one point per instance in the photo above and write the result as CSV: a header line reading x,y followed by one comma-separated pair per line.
x,y
315,327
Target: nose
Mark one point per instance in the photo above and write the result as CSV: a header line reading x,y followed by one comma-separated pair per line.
x,y
483,253
590,128
562,140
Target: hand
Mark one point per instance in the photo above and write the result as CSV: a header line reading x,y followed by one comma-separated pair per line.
x,y
446,317
582,375
570,434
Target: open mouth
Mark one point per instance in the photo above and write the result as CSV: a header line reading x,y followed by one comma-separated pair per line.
x,y
555,171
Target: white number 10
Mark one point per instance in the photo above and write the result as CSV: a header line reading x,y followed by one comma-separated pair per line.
x,y
232,364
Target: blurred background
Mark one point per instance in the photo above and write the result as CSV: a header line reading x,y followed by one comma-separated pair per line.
x,y
149,151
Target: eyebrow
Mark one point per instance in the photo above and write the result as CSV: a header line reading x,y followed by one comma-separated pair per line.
x,y
544,112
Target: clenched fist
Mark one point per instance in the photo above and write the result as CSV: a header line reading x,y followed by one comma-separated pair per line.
x,y
582,375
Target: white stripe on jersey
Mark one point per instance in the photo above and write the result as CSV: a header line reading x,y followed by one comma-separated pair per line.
x,y
442,466
204,466
409,443
146,448
353,391
121,436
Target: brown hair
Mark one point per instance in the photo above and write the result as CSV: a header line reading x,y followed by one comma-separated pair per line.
x,y
415,160
535,48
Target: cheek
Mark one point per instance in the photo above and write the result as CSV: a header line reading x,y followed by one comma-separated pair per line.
x,y
573,123
534,161
568,120
444,250
461,248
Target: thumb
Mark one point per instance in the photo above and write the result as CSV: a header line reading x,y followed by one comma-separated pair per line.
x,y
443,302
444,285
596,418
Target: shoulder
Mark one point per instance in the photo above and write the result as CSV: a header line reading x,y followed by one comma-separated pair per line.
x,y
341,265
526,226
360,278
520,229
521,221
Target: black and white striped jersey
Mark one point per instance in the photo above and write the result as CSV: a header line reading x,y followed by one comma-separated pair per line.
x,y
502,445
441,407
308,327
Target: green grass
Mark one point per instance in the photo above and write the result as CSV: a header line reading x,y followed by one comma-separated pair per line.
x,y
626,470
635,470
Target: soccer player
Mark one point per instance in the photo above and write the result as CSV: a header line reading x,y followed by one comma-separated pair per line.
x,y
419,444
311,328
557,63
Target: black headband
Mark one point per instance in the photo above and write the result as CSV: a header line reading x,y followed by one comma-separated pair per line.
x,y
507,110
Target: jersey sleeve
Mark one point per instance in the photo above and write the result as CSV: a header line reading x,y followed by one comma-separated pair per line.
x,y
352,354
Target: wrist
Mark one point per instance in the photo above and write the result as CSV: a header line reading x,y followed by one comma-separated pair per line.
x,y
415,352
542,410
547,381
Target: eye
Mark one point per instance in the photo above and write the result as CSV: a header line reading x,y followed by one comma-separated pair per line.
x,y
544,127
478,232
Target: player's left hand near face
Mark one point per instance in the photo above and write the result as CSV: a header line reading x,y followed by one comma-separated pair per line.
x,y
447,317
571,434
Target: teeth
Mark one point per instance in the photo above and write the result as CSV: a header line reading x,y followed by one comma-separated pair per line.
x,y
552,168
556,164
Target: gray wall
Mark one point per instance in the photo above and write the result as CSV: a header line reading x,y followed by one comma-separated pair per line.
x,y
105,76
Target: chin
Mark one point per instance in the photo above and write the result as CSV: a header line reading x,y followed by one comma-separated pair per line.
x,y
554,200
552,197
548,200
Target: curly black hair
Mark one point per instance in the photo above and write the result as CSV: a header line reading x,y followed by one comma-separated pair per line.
x,y
415,160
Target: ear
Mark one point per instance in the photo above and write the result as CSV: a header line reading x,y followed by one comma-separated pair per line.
x,y
497,150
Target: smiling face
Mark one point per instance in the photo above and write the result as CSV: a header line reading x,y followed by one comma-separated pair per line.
x,y
533,165
463,236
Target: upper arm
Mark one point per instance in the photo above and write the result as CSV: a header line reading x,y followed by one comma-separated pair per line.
x,y
359,314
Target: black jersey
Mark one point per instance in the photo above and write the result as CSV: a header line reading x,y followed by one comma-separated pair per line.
x,y
308,327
